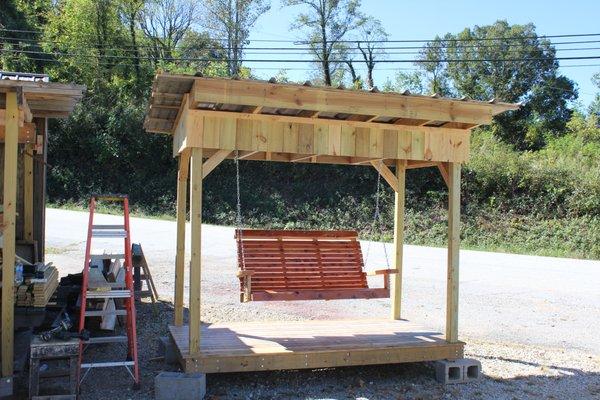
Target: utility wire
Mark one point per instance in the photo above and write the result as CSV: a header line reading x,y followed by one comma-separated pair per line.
x,y
378,41
387,61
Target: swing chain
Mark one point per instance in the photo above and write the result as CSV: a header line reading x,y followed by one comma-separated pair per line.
x,y
238,218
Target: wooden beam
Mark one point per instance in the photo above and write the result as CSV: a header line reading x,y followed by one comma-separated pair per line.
x,y
182,183
214,160
26,133
196,240
39,183
453,252
8,251
387,174
399,199
24,108
246,154
28,192
322,121
443,167
249,93
303,157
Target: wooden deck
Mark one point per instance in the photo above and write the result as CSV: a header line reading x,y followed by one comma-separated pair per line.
x,y
261,346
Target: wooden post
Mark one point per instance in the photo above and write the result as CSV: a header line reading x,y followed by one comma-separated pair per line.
x,y
184,161
196,239
396,288
8,251
28,192
453,249
39,183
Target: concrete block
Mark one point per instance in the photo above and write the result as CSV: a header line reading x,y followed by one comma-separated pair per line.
x,y
6,386
167,349
179,386
471,370
457,371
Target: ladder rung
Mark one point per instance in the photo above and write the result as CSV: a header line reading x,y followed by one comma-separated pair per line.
x,y
108,256
108,294
103,313
104,226
109,233
106,339
108,364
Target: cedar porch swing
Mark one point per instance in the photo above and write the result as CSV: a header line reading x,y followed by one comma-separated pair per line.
x,y
211,120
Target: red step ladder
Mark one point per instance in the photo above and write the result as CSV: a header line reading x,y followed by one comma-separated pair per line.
x,y
125,293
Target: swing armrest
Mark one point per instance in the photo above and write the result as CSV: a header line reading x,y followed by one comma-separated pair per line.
x,y
382,272
242,273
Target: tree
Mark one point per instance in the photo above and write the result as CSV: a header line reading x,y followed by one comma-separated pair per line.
x,y
509,63
595,106
231,21
166,22
370,45
413,82
327,23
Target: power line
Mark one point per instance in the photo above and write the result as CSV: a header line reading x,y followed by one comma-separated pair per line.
x,y
379,41
131,48
387,61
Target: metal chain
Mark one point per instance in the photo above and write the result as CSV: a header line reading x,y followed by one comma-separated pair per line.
x,y
238,218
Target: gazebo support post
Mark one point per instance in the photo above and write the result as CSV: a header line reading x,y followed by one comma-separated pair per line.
x,y
399,196
8,251
453,251
196,242
182,182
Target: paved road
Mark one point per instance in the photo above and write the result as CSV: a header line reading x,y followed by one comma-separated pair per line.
x,y
505,297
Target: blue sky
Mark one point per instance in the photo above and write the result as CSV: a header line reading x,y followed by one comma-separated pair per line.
x,y
407,19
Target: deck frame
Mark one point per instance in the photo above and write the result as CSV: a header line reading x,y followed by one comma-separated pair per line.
x,y
216,119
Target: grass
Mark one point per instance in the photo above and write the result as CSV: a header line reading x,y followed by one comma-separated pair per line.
x,y
488,230
111,209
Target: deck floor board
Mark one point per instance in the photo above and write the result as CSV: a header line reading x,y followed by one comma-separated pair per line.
x,y
252,346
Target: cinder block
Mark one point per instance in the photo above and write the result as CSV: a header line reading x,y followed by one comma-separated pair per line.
x,y
6,386
167,349
457,371
179,386
471,370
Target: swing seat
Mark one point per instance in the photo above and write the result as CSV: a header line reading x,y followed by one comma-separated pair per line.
x,y
279,265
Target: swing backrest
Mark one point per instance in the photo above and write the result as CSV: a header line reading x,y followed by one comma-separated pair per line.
x,y
281,260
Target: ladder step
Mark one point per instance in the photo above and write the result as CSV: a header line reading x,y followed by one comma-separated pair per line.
x,y
105,226
103,313
115,233
108,364
108,294
108,256
106,339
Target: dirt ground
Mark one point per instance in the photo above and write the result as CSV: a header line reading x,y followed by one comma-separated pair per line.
x,y
511,371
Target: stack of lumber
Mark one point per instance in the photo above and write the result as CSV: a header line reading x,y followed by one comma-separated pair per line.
x,y
36,291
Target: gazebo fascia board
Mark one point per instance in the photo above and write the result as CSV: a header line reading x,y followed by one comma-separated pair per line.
x,y
215,119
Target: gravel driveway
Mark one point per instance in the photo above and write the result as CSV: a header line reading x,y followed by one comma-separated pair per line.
x,y
532,321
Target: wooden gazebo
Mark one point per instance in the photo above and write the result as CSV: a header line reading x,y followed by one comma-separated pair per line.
x,y
27,100
213,119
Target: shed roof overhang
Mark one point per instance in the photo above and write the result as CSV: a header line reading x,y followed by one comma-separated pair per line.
x,y
302,123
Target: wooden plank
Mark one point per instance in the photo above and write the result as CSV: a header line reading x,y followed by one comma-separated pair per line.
x,y
386,174
8,251
213,161
399,199
443,167
255,346
453,252
182,183
196,243
26,133
28,192
341,101
39,183
319,294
